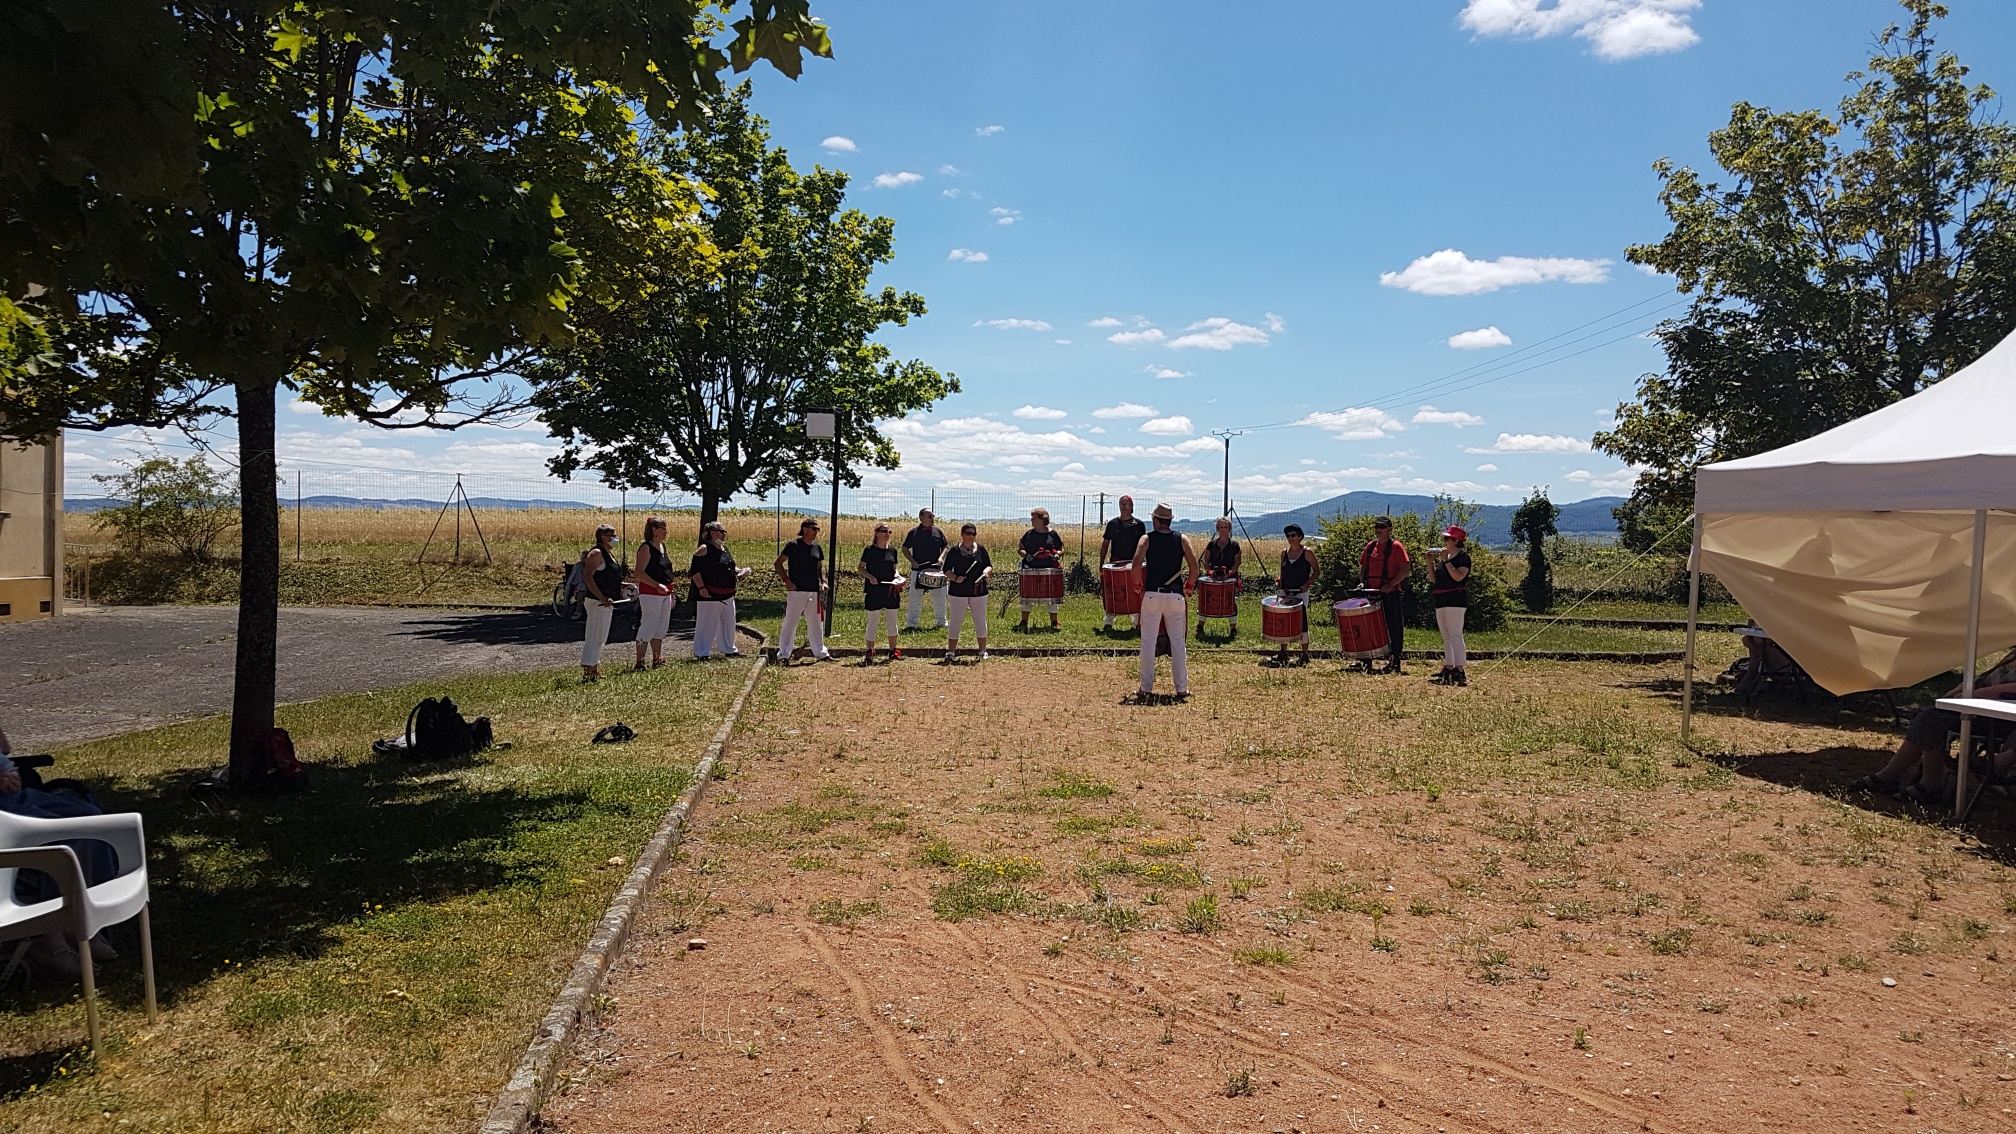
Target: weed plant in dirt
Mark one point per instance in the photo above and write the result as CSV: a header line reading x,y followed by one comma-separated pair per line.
x,y
997,898
372,953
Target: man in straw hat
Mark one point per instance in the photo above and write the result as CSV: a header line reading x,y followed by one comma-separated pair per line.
x,y
1168,569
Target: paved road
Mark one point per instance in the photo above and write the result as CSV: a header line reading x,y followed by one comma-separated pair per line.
x,y
108,670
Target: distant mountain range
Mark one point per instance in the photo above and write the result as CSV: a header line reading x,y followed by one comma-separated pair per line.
x,y
100,503
1586,519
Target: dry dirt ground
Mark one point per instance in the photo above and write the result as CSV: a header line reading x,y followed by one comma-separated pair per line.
x,y
995,898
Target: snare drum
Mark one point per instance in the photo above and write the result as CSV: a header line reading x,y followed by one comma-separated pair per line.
x,y
1283,618
930,579
1120,589
1217,598
1361,629
1042,584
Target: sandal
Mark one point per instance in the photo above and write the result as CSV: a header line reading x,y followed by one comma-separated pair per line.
x,y
1870,783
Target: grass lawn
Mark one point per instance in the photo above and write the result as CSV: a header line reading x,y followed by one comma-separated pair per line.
x,y
372,953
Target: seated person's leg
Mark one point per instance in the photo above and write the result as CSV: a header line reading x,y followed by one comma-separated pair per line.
x,y
98,860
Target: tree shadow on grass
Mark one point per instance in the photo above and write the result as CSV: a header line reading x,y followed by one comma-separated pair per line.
x,y
235,880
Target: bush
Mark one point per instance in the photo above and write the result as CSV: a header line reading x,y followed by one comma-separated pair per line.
x,y
1532,526
1345,536
180,506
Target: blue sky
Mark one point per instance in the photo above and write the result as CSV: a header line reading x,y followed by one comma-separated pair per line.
x,y
1138,222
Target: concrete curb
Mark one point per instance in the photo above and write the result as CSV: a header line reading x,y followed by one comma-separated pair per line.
x,y
517,1105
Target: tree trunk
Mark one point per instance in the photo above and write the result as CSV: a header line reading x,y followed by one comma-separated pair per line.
x,y
258,583
710,507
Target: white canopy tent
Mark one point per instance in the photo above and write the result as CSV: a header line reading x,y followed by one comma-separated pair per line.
x,y
1860,551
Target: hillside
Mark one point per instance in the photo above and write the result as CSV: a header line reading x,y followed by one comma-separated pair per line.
x,y
1589,519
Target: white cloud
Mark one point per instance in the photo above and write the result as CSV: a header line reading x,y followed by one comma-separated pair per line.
x,y
1135,338
1177,426
1426,485
949,193
1429,415
1611,481
1040,413
1014,324
1616,29
1125,409
1005,216
840,145
1097,429
1450,272
1104,321
897,180
1480,339
1487,468
968,255
1218,333
1354,424
986,131
1275,323
948,170
1061,342
1165,372
1535,443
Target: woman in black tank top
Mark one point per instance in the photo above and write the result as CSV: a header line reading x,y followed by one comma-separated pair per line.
x,y
654,606
1298,569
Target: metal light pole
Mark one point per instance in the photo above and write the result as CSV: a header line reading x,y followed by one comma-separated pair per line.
x,y
1228,435
819,427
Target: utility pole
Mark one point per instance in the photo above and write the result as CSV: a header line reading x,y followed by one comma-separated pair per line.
x,y
1228,435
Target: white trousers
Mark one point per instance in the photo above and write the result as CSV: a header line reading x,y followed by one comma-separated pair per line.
x,y
1158,611
1449,619
875,617
805,605
654,617
960,606
598,631
917,594
714,628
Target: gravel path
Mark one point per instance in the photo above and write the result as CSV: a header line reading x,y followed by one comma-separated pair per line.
x,y
105,670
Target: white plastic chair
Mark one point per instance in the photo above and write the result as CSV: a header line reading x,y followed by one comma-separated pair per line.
x,y
82,910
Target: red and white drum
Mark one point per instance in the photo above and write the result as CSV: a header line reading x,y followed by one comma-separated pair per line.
x,y
1044,584
1361,629
1283,618
1217,598
1120,589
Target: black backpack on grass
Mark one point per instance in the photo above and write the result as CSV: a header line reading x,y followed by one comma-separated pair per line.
x,y
437,730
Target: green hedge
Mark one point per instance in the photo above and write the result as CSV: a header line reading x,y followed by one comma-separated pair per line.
x,y
1345,536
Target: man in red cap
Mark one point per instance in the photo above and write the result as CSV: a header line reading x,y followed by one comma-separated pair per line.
x,y
1383,565
1452,601
1123,534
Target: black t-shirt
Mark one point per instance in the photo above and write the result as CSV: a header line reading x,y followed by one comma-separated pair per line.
x,y
878,565
609,580
1449,592
1163,569
1222,555
716,568
959,562
1295,572
659,568
801,563
1124,535
1034,541
924,544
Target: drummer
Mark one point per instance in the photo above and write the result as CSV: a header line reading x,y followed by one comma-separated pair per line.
x,y
1168,569
968,565
1042,549
1221,561
883,590
1298,572
924,546
1123,534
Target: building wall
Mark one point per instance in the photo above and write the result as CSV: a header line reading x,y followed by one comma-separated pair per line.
x,y
31,531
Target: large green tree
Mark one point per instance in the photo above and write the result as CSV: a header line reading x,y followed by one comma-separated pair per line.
x,y
699,381
375,204
1849,261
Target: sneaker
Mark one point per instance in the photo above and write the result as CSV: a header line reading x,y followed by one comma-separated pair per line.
x,y
1234,628
102,950
896,655
826,657
1200,629
1461,680
983,655
52,952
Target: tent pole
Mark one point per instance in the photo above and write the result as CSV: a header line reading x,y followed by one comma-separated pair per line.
x,y
1973,649
1693,613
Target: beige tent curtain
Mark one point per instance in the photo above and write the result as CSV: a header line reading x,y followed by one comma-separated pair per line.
x,y
1866,600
